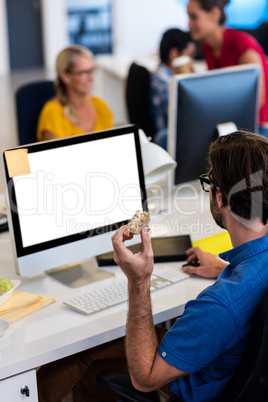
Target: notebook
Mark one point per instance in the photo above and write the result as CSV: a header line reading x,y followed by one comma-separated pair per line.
x,y
166,249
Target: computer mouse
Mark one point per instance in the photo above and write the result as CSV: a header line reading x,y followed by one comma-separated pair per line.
x,y
192,264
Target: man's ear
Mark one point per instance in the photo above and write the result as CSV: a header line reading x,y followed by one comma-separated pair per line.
x,y
219,197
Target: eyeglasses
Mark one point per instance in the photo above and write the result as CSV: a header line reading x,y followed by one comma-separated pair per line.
x,y
205,182
83,73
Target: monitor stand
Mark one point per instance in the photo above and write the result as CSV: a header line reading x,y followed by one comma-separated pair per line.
x,y
79,273
226,128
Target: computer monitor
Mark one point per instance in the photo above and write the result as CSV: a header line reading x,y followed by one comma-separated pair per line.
x,y
65,198
198,103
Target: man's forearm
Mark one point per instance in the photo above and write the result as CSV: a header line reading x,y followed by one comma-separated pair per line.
x,y
148,370
141,341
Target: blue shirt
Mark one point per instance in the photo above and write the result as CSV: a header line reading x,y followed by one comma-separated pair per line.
x,y
208,341
159,96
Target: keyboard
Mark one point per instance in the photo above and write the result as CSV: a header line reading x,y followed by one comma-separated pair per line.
x,y
115,293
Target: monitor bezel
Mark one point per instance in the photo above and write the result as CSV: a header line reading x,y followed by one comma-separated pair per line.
x,y
59,143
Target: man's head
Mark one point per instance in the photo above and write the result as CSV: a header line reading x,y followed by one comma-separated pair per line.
x,y
175,43
239,170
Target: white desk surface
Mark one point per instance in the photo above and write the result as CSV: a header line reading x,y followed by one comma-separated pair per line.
x,y
57,331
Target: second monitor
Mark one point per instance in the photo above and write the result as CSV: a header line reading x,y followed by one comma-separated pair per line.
x,y
200,102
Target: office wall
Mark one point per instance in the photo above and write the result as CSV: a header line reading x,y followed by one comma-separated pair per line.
x,y
4,59
139,24
54,31
25,45
54,25
137,27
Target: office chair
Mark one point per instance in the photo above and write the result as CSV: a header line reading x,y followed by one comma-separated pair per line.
x,y
138,99
120,384
262,36
249,382
29,99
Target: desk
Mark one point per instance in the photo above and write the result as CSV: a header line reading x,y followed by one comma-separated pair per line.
x,y
112,74
57,331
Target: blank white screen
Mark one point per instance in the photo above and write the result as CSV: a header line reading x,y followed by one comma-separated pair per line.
x,y
77,188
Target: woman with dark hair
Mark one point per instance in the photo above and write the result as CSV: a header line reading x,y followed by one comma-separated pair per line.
x,y
225,47
73,111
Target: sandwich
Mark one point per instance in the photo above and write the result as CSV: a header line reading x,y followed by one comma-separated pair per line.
x,y
137,223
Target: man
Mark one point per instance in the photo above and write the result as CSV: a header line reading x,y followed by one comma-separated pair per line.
x,y
199,354
174,43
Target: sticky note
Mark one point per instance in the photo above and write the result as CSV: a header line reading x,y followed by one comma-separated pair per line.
x,y
17,162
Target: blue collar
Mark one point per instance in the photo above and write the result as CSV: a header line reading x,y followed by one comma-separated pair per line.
x,y
246,250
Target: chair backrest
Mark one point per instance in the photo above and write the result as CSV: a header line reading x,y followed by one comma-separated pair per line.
x,y
250,381
138,99
30,98
262,36
120,384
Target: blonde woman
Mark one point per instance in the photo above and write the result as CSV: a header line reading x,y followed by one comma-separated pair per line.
x,y
73,111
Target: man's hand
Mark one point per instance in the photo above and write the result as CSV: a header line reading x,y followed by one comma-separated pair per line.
x,y
137,267
210,265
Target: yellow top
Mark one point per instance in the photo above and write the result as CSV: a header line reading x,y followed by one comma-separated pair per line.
x,y
52,119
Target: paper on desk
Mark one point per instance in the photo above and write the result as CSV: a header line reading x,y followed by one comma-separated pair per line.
x,y
17,301
22,304
32,308
215,244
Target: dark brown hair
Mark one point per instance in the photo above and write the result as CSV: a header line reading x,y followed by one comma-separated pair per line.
x,y
207,5
239,167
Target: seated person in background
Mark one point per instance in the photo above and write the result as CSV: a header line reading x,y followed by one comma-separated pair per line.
x,y
196,358
174,43
225,47
73,111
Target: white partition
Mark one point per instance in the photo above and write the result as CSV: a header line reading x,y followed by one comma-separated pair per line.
x,y
54,25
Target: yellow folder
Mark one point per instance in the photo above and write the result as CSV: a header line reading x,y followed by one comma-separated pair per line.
x,y
215,244
21,304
